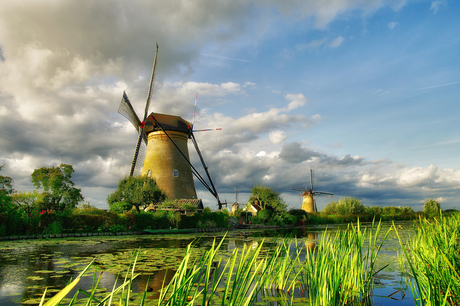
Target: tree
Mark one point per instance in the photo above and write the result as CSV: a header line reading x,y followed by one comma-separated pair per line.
x,y
345,206
27,201
6,190
264,215
270,198
10,217
431,207
58,189
135,191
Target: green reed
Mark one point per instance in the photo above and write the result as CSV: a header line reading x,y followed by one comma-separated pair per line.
x,y
340,270
432,259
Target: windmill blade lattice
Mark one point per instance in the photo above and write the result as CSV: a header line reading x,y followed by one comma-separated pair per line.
x,y
126,110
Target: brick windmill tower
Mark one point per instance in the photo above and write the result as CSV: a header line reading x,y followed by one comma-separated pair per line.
x,y
309,196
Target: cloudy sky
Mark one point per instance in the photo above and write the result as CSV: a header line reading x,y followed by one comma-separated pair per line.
x,y
364,92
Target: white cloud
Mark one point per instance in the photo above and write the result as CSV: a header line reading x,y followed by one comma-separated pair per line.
x,y
313,44
418,176
297,100
337,42
436,5
277,137
3,111
326,11
392,25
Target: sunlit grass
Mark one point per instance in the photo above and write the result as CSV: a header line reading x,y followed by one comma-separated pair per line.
x,y
432,259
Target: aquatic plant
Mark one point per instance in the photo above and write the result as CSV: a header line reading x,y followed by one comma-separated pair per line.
x,y
432,259
340,270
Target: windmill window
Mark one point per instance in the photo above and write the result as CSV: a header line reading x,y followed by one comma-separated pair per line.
x,y
149,173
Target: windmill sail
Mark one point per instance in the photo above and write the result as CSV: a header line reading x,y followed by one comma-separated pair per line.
x,y
135,164
140,159
126,110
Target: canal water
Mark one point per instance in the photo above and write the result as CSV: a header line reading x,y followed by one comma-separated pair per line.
x,y
27,267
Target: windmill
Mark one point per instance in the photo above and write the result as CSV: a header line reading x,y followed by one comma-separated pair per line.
x,y
163,140
309,196
235,205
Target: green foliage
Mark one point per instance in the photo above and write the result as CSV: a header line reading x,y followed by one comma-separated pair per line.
x,y
431,207
87,209
345,206
203,220
271,198
264,215
299,213
59,192
238,212
161,220
6,190
432,260
374,211
300,216
138,191
118,207
13,220
397,213
143,220
55,227
175,204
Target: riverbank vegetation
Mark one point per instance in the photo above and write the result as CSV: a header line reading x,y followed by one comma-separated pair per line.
x,y
431,258
56,207
345,210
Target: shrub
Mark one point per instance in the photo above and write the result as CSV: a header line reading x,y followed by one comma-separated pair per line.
x,y
299,213
431,207
143,220
345,206
264,215
55,227
87,209
214,219
118,207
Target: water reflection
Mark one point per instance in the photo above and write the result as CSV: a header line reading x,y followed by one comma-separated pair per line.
x,y
310,243
154,282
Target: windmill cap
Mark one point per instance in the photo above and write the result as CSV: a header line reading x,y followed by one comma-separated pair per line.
x,y
167,122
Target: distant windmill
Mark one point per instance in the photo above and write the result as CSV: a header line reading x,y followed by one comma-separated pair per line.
x,y
309,196
164,138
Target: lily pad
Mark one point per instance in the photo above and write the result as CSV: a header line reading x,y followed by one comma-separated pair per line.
x,y
32,302
35,278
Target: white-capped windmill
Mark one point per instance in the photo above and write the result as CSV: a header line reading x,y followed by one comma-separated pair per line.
x,y
163,138
309,196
